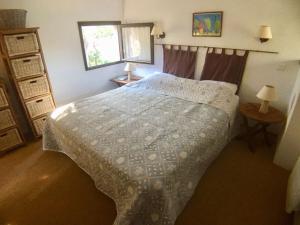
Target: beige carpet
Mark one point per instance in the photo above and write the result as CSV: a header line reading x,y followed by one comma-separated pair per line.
x,y
47,188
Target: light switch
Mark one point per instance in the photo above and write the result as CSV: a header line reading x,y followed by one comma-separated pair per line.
x,y
281,67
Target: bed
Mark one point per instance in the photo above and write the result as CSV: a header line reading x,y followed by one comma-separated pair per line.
x,y
147,144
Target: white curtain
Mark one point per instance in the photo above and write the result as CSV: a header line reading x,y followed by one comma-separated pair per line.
x,y
136,44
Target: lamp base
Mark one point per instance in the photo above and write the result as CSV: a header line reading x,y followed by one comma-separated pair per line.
x,y
163,35
262,40
129,76
264,107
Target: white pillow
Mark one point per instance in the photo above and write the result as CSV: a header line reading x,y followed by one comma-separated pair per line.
x,y
232,87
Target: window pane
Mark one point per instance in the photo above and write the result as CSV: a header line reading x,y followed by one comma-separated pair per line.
x,y
101,44
136,44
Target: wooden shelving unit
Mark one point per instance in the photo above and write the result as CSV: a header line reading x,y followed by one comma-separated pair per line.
x,y
24,61
10,134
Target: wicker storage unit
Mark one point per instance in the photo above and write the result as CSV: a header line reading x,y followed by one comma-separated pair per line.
x,y
28,66
25,64
7,119
3,100
39,125
34,87
21,44
10,139
40,106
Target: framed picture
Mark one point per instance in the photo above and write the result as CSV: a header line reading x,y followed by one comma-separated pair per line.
x,y
207,24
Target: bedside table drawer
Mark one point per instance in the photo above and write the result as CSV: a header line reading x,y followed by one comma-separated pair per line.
x,y
6,119
10,139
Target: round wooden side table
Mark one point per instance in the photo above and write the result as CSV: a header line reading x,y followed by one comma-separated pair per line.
x,y
250,111
122,80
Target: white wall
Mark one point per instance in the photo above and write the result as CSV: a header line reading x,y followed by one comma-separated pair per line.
x,y
241,23
59,35
288,150
60,39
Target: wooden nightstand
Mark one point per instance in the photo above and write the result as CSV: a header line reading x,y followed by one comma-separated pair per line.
x,y
122,80
250,111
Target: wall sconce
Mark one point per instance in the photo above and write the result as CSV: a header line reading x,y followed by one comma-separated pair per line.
x,y
157,32
265,33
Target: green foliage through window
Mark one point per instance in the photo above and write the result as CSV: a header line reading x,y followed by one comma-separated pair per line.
x,y
101,44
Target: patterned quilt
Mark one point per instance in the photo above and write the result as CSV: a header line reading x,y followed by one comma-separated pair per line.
x,y
146,145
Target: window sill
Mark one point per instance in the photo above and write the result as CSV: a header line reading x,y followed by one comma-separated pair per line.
x,y
103,65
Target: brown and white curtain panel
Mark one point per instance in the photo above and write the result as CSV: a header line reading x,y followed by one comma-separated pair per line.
x,y
228,67
179,62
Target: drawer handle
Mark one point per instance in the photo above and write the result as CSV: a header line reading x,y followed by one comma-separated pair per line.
x,y
38,101
26,60
33,81
3,135
20,38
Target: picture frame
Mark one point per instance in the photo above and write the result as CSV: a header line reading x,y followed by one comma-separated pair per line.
x,y
207,24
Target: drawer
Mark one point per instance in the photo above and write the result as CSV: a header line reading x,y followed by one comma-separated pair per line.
x,y
39,125
6,119
10,139
27,66
21,44
3,100
40,106
34,87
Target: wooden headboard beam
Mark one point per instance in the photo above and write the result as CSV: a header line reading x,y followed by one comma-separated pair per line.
x,y
238,49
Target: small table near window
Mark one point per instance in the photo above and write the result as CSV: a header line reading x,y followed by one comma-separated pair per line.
x,y
250,111
122,80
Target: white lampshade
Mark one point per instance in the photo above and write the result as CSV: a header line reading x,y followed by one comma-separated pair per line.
x,y
156,30
128,67
267,93
265,32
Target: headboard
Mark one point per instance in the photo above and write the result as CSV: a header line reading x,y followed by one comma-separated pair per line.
x,y
224,67
219,66
180,62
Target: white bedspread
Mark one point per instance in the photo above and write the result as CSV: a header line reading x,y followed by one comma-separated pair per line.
x,y
146,145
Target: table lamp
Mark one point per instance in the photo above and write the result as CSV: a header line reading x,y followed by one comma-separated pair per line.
x,y
128,68
266,94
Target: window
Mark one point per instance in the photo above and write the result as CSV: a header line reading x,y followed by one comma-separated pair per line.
x,y
137,46
100,43
108,43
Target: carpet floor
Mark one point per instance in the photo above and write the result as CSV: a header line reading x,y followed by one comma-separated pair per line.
x,y
47,188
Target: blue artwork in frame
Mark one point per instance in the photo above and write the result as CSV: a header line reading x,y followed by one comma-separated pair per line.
x,y
207,24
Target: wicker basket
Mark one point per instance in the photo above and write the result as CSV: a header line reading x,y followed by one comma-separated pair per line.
x,y
9,139
12,18
34,87
6,119
21,44
3,100
40,106
39,125
28,66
